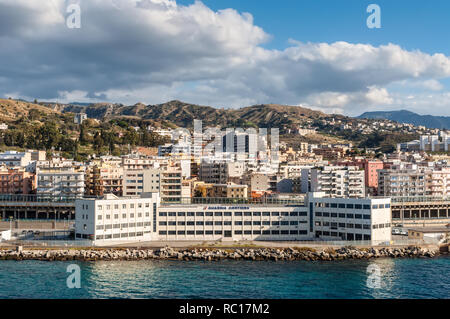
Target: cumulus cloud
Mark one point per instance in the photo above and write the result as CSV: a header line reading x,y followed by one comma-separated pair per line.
x,y
157,50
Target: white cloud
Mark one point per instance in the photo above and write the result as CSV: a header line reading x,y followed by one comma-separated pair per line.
x,y
156,50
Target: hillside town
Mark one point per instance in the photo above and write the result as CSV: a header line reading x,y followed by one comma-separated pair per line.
x,y
243,172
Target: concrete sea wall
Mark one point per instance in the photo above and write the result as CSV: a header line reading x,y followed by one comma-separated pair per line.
x,y
211,254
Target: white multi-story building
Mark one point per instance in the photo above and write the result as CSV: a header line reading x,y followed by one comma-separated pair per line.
x,y
350,219
335,181
60,182
14,158
317,218
116,219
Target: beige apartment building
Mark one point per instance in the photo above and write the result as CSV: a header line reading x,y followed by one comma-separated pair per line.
x,y
414,182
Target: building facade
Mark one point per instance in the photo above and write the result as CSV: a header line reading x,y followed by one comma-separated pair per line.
x,y
60,182
113,218
317,218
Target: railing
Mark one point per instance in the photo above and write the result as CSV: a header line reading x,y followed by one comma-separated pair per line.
x,y
410,199
50,243
234,201
36,198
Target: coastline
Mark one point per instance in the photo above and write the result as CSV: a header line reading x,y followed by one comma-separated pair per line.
x,y
215,254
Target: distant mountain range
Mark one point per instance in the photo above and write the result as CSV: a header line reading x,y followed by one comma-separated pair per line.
x,y
183,114
403,116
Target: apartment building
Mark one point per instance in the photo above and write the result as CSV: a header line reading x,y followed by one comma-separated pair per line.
x,y
60,182
104,179
371,168
116,219
136,182
335,181
403,182
15,159
228,190
17,181
220,172
172,187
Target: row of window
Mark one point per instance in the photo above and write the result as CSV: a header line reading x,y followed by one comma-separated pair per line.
x,y
122,235
342,215
124,215
344,236
121,226
236,232
353,206
229,223
124,206
379,226
342,225
173,214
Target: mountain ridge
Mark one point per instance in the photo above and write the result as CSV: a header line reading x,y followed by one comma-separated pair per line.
x,y
405,116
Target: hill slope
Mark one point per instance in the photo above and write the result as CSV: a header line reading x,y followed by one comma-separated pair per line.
x,y
183,114
11,110
403,116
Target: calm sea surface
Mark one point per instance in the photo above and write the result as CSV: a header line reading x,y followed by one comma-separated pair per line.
x,y
399,278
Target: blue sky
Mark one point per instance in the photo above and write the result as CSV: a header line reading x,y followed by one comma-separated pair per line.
x,y
317,53
413,24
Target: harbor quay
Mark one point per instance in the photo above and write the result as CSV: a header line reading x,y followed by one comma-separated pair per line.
x,y
148,221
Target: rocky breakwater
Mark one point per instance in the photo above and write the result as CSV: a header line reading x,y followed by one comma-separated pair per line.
x,y
210,254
